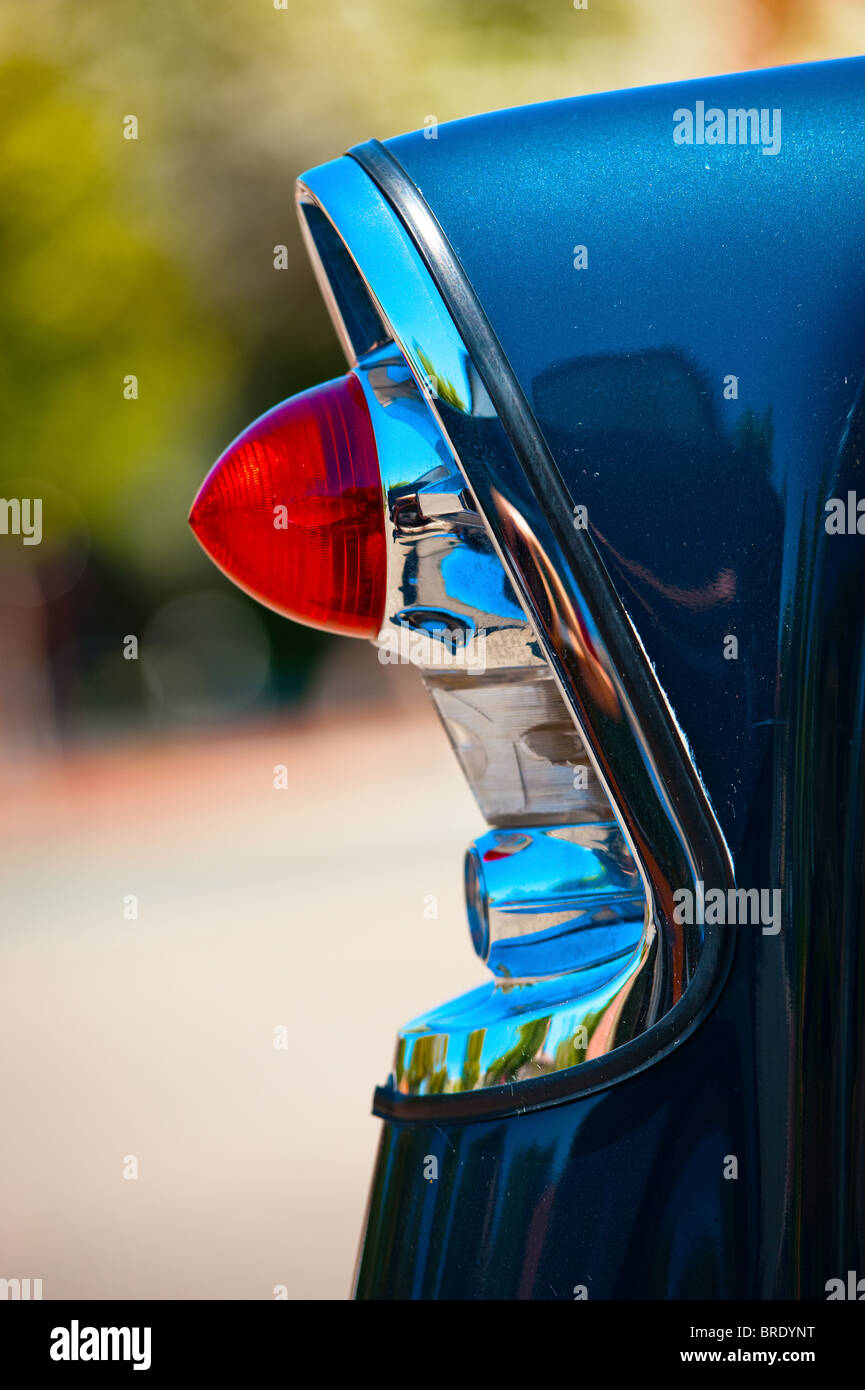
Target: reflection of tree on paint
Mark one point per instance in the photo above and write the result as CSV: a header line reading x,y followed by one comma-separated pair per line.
x,y
752,437
701,559
654,417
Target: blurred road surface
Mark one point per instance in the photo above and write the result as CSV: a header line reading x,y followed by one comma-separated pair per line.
x,y
258,909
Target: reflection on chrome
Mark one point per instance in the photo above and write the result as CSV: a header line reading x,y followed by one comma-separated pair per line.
x,y
559,915
516,1031
552,899
481,545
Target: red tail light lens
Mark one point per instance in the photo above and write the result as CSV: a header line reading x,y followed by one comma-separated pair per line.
x,y
293,511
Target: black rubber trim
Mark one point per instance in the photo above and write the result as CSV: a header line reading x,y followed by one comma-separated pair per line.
x,y
530,447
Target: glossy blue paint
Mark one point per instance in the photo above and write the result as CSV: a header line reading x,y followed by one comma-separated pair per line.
x,y
705,262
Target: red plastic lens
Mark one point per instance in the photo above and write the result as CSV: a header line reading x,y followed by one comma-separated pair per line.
x,y
293,511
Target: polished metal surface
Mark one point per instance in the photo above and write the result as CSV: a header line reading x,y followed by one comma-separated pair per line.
x,y
553,899
508,1032
560,898
516,742
451,611
631,738
449,605
560,917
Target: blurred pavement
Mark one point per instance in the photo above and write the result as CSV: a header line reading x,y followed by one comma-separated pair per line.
x,y
154,1037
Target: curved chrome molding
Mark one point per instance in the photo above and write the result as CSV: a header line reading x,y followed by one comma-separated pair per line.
x,y
559,915
556,907
638,752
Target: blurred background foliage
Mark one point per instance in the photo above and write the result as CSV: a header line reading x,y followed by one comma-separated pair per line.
x,y
154,257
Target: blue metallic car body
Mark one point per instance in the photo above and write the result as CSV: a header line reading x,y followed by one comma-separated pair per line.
x,y
704,262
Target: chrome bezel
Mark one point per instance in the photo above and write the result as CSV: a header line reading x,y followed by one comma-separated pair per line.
x,y
636,747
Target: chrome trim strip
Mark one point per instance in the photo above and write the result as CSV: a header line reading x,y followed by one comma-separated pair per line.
x,y
557,902
630,732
